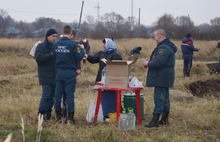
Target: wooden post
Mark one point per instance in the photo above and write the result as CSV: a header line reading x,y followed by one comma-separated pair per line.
x,y
80,16
219,55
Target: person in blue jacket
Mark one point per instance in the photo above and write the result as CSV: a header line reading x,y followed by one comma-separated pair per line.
x,y
110,53
161,75
46,73
66,53
134,54
78,65
187,49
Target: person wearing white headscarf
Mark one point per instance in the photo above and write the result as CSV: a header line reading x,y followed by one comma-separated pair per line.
x,y
110,53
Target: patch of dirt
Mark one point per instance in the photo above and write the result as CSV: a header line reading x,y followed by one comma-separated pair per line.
x,y
204,88
3,82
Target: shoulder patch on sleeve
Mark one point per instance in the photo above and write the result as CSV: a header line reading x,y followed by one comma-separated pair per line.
x,y
161,51
79,49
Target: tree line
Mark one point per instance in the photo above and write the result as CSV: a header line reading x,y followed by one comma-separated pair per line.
x,y
111,25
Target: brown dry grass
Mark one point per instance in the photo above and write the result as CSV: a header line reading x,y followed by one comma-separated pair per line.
x,y
198,120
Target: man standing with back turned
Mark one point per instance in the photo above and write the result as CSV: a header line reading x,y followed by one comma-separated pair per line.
x,y
161,76
67,54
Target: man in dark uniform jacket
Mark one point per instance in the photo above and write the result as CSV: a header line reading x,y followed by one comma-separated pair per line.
x,y
161,75
46,73
66,53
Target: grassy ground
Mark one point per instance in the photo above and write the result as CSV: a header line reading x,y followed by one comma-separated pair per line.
x,y
197,120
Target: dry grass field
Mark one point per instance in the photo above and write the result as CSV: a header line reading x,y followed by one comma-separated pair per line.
x,y
194,120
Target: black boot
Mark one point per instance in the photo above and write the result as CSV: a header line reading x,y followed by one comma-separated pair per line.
x,y
47,115
70,117
164,119
188,73
58,115
154,121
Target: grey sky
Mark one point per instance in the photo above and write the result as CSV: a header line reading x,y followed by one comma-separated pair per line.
x,y
200,11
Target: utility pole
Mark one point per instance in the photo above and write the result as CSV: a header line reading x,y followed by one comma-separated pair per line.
x,y
132,24
139,23
97,12
80,16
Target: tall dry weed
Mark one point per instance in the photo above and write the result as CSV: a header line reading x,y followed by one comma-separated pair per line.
x,y
40,127
22,128
8,139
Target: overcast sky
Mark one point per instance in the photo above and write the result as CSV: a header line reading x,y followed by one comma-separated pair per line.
x,y
200,11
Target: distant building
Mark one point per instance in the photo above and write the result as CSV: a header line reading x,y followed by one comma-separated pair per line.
x,y
39,33
13,32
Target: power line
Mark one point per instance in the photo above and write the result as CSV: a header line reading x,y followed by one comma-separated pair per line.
x,y
33,12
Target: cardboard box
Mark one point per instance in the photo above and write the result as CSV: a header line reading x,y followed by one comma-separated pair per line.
x,y
117,73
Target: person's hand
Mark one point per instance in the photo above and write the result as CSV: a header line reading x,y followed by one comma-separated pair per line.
x,y
81,46
78,71
146,61
86,56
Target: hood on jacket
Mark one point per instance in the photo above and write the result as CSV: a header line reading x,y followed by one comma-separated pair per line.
x,y
170,44
185,39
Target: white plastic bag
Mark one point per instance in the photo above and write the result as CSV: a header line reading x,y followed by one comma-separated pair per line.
x,y
135,83
91,113
33,49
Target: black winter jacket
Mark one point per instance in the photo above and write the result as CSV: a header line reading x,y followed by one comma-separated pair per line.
x,y
46,63
112,55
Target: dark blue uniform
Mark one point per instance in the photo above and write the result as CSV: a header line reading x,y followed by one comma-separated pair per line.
x,y
161,74
46,74
67,55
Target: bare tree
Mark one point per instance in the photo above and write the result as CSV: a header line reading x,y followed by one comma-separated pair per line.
x,y
42,24
25,27
184,25
141,32
167,22
215,27
5,22
113,22
203,31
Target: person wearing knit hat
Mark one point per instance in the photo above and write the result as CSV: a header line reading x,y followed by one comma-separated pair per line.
x,y
46,73
187,49
51,32
188,35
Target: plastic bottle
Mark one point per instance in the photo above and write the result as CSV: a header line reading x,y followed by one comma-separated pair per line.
x,y
123,121
103,77
84,60
131,119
